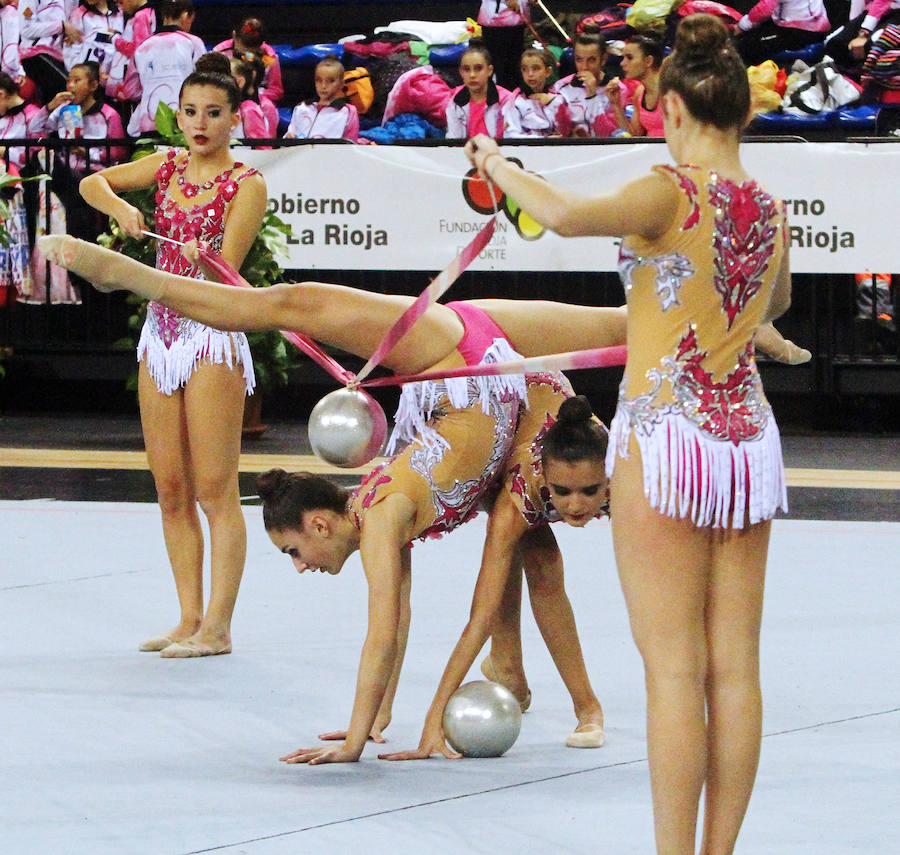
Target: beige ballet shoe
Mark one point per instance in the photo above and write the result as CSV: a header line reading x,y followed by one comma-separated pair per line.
x,y
154,645
487,668
771,343
791,354
588,735
189,648
86,259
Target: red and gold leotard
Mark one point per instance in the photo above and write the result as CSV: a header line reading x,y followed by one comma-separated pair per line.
x,y
691,397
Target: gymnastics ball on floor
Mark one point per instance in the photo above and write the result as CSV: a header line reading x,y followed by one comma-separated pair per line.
x,y
482,719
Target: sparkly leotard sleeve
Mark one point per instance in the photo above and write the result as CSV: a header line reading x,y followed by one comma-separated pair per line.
x,y
460,434
171,344
691,398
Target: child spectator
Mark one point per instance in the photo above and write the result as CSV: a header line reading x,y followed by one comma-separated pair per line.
x,y
476,107
535,112
584,90
253,124
139,22
15,116
331,117
41,30
642,59
163,61
9,42
90,31
248,37
849,45
776,25
503,31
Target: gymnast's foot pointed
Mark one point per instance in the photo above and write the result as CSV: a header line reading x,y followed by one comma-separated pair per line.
x,y
522,695
199,644
774,345
104,269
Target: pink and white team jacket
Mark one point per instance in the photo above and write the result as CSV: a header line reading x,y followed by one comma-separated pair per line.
x,y
18,124
495,13
272,87
99,30
123,82
875,10
334,121
253,123
457,111
799,14
163,62
100,122
525,117
41,26
590,116
9,43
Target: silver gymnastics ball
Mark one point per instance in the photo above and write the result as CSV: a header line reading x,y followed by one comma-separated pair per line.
x,y
482,719
347,428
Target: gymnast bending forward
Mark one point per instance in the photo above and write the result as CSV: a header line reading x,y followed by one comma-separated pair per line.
x,y
696,471
461,446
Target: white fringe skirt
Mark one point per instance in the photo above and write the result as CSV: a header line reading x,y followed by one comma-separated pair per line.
x,y
688,473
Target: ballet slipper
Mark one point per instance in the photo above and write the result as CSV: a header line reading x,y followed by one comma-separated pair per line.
x,y
770,342
487,668
588,735
189,648
104,269
154,645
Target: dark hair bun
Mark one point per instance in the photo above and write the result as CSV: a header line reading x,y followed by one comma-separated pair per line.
x,y
701,37
270,483
213,62
577,409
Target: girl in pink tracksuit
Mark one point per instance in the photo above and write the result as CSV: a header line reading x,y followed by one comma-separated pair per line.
x,y
772,26
331,117
476,107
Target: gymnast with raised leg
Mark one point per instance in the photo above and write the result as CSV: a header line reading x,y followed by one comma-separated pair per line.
x,y
462,437
696,471
192,379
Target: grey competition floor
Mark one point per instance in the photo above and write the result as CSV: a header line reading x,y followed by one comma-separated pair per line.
x,y
105,751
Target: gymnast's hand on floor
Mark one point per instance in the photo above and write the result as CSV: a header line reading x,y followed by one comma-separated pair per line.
x,y
322,754
432,742
375,734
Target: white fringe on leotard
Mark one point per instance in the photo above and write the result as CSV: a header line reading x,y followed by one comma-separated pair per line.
x,y
688,473
418,400
171,367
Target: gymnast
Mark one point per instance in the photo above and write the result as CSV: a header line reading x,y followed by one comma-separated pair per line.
x,y
187,371
462,443
694,458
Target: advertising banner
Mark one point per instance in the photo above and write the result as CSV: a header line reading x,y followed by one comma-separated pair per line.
x,y
414,208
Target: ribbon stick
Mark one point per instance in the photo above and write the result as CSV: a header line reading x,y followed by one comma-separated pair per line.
x,y
556,23
437,287
598,357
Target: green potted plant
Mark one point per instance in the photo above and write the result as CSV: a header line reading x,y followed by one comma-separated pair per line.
x,y
271,356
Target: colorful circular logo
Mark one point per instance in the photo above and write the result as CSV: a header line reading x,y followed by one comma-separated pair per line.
x,y
485,197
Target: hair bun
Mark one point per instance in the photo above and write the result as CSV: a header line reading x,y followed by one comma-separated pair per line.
x,y
270,483
701,37
577,409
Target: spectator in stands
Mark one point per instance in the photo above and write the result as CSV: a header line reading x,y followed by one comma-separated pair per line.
x,y
248,37
139,22
772,26
90,31
253,123
642,57
9,42
503,30
329,117
15,116
98,121
534,112
41,30
850,44
584,91
477,106
163,62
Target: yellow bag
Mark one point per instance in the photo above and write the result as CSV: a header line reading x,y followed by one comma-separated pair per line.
x,y
763,96
358,89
